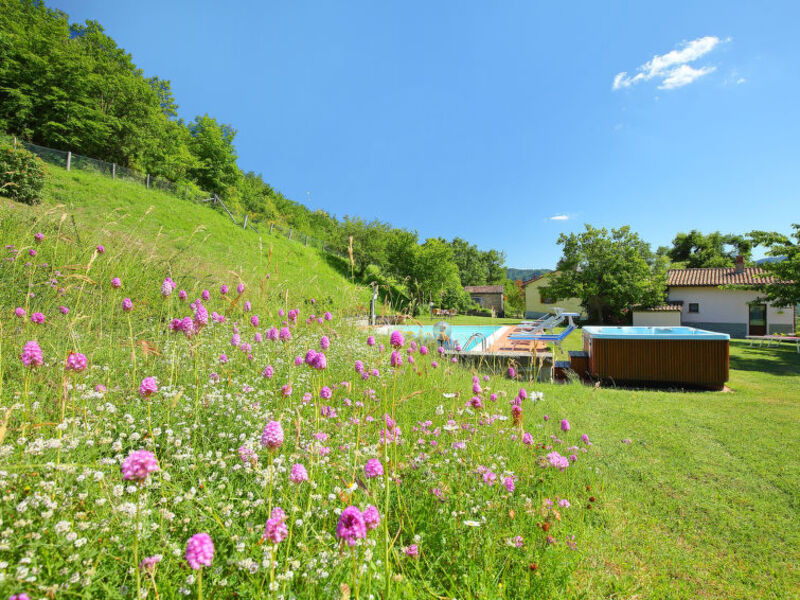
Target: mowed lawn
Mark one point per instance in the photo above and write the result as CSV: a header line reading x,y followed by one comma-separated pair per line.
x,y
704,501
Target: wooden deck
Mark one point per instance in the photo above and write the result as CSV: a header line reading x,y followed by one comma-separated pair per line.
x,y
504,345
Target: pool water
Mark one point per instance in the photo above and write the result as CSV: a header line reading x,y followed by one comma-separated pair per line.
x,y
459,333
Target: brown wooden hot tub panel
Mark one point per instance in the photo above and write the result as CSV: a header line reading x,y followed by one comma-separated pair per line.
x,y
688,362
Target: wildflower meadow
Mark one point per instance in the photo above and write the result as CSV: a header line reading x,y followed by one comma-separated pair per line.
x,y
168,434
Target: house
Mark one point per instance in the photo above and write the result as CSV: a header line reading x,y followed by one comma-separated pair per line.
x,y
487,296
705,299
538,305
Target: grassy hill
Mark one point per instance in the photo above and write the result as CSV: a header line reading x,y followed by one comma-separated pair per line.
x,y
170,234
671,494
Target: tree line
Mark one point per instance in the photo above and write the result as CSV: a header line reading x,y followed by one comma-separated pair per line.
x,y
70,86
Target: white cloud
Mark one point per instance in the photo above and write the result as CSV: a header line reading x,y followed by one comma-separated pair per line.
x,y
559,218
672,68
683,75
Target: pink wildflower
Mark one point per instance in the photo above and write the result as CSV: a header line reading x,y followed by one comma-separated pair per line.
x,y
199,551
396,339
268,372
565,425
285,335
138,465
372,517
412,551
37,318
149,562
116,283
371,340
127,304
148,387
558,461
32,355
373,468
351,526
223,289
20,312
272,436
100,249
298,474
76,362
276,530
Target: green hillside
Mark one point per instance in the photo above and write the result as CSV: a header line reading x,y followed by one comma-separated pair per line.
x,y
170,236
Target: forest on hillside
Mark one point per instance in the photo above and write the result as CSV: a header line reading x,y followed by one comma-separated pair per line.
x,y
69,86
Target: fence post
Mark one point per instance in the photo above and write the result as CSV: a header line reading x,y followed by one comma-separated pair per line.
x,y
113,170
147,181
271,225
69,160
306,242
245,222
290,233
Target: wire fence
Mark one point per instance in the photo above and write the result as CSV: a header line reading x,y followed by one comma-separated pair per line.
x,y
69,161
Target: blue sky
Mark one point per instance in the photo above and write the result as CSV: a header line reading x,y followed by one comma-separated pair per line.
x,y
502,123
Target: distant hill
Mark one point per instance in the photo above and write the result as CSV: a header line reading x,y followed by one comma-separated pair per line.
x,y
525,274
770,259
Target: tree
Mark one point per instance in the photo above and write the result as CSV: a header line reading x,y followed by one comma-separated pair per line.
x,y
433,275
786,267
515,297
698,250
608,272
212,144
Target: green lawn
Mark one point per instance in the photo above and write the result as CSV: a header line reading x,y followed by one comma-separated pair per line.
x,y
704,500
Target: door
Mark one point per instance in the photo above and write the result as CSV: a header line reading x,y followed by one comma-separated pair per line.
x,y
757,322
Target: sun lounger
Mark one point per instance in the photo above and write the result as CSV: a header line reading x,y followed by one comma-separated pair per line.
x,y
774,339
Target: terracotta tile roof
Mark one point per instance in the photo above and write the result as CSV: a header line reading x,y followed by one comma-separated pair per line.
x,y
661,308
716,276
484,289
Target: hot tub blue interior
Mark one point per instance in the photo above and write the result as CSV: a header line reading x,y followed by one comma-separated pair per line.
x,y
654,333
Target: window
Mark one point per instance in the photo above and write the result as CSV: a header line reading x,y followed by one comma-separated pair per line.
x,y
694,307
545,300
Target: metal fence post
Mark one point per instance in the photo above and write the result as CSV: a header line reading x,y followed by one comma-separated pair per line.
x,y
69,160
147,181
245,222
290,233
271,225
113,170
306,242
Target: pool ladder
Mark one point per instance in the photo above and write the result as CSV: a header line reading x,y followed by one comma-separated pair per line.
x,y
479,337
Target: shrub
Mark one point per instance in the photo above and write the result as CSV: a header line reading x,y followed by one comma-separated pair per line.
x,y
22,174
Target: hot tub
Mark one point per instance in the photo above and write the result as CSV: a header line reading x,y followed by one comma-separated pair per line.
x,y
681,356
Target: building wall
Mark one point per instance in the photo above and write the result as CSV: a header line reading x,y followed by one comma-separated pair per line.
x,y
727,311
535,308
490,301
644,318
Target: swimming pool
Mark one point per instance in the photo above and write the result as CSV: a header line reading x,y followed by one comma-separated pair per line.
x,y
459,333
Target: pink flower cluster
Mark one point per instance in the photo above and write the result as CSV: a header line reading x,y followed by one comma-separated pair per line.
x,y
199,551
138,465
276,530
272,436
